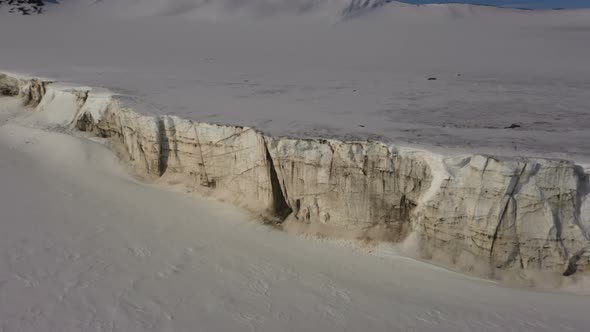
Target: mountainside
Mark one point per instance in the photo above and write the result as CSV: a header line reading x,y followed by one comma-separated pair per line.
x,y
24,7
215,9
224,9
265,7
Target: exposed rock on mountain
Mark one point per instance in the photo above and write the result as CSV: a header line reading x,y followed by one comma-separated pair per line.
x,y
24,7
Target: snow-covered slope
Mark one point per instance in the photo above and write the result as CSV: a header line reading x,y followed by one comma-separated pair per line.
x,y
24,7
85,247
201,8
316,75
450,79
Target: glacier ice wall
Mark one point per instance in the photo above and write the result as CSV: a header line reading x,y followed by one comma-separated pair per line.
x,y
506,213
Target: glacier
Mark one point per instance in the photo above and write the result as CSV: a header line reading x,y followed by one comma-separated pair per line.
x,y
480,213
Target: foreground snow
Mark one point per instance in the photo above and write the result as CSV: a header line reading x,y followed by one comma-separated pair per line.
x,y
86,247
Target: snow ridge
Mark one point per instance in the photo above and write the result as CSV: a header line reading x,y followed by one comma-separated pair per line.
x,y
358,6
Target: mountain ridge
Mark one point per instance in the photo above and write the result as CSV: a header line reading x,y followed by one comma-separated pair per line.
x,y
345,8
24,7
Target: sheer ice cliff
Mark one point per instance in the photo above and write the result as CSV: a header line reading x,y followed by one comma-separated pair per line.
x,y
471,211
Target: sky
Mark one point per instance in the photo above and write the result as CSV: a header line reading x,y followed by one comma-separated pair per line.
x,y
530,4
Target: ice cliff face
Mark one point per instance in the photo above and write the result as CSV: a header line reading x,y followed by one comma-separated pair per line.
x,y
507,213
522,213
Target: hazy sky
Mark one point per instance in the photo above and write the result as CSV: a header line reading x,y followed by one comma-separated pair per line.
x,y
532,4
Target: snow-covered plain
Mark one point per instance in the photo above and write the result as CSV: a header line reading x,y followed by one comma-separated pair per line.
x,y
291,69
86,247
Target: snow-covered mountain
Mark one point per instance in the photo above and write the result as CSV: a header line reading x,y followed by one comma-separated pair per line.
x,y
24,7
257,8
223,9
340,8
27,7
356,6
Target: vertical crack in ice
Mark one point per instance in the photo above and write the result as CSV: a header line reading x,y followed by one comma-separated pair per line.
x,y
164,144
204,181
509,197
281,208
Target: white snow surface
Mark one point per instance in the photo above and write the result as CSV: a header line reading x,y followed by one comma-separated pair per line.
x,y
86,247
303,68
